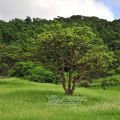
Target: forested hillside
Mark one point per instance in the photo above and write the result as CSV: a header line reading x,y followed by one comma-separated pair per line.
x,y
19,38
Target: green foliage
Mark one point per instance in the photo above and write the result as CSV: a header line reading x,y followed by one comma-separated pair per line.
x,y
106,81
9,54
104,84
42,75
18,39
78,47
110,81
3,68
118,70
74,50
84,83
34,72
22,69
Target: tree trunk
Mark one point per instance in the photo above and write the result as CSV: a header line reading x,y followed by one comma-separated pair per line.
x,y
70,81
63,76
69,92
70,89
74,85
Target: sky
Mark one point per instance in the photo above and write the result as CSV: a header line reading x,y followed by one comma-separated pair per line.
x,y
49,9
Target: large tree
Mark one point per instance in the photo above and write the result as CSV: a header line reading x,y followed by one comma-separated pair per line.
x,y
76,51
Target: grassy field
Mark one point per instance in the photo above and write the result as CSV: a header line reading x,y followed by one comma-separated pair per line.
x,y
24,100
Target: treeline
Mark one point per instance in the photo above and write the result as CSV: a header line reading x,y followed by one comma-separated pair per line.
x,y
18,44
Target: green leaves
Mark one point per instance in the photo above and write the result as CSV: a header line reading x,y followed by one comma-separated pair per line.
x,y
78,47
78,41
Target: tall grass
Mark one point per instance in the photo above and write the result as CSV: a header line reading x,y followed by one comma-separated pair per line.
x,y
24,100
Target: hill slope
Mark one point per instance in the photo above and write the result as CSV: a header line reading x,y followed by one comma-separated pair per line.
x,y
18,37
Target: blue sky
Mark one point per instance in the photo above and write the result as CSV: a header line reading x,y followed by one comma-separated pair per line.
x,y
114,5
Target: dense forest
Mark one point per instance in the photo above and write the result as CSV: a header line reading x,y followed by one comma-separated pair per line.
x,y
20,42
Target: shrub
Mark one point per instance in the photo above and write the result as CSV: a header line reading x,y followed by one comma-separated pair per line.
x,y
40,74
22,69
84,83
104,84
3,68
29,70
110,81
111,72
118,70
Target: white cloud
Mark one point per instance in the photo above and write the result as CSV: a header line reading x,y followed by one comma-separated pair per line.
x,y
49,9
